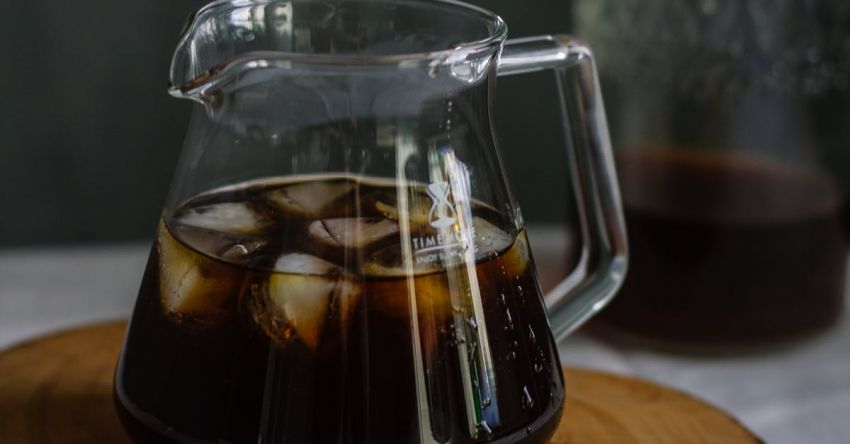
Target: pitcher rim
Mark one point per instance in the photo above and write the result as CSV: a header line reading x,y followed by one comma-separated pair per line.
x,y
458,52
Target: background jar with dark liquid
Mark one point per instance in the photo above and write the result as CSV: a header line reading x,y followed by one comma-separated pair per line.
x,y
730,249
729,124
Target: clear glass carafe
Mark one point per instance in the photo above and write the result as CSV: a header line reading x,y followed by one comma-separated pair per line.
x,y
340,259
730,126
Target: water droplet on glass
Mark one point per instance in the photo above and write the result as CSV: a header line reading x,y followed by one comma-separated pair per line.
x,y
509,320
486,402
531,336
528,430
503,300
485,427
472,323
527,402
512,349
538,367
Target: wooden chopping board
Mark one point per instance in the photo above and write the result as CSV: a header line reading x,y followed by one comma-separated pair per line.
x,y
58,389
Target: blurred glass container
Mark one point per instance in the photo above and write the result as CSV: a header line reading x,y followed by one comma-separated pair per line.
x,y
731,121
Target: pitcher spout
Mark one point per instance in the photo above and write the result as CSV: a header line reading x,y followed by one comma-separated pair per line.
x,y
215,38
225,38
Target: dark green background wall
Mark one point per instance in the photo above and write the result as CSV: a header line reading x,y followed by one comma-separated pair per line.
x,y
89,137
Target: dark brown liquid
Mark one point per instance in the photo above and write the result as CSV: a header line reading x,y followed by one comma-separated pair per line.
x,y
301,329
727,251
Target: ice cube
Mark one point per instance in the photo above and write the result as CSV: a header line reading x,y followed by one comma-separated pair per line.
x,y
242,251
417,212
193,288
516,259
228,217
301,263
346,291
297,300
490,241
390,262
390,292
310,198
354,232
235,248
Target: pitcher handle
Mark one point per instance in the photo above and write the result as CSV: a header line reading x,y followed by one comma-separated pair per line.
x,y
603,262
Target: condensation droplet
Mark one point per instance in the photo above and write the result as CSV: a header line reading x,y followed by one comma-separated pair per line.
x,y
503,300
527,402
512,349
531,336
509,321
485,427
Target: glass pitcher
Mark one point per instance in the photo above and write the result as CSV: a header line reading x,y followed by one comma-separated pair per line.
x,y
732,148
340,259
